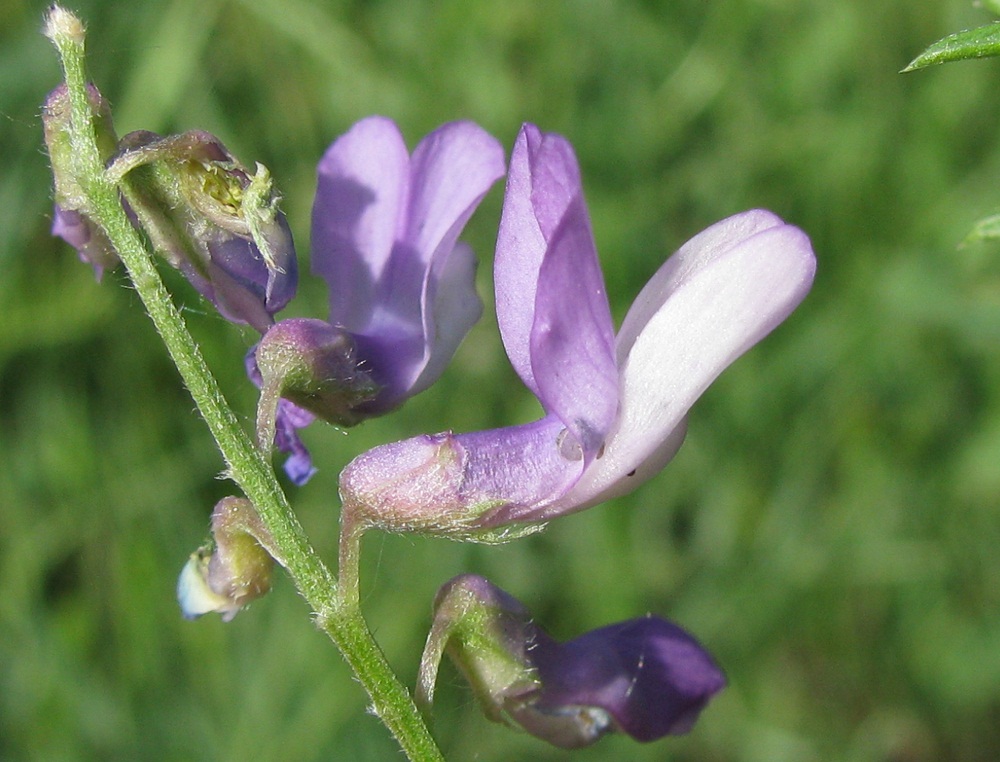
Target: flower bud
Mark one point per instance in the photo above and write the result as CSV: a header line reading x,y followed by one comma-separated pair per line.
x,y
231,571
71,221
211,219
644,677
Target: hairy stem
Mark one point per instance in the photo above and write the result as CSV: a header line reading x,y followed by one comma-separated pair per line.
x,y
245,464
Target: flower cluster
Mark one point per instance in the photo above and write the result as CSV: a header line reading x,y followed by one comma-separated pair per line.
x,y
385,229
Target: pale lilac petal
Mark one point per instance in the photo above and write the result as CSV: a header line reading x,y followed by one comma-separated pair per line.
x,y
519,253
713,309
572,338
451,171
698,252
456,308
90,243
363,185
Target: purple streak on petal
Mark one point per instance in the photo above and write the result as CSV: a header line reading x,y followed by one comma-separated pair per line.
x,y
363,184
734,283
572,338
651,676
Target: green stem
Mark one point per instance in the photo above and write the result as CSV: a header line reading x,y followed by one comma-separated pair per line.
x,y
246,465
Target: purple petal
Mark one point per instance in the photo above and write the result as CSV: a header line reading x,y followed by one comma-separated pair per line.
x,y
432,289
551,303
572,339
298,465
360,198
722,293
385,231
651,676
519,252
456,308
240,283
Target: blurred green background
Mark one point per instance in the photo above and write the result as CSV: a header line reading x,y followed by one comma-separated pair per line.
x,y
830,530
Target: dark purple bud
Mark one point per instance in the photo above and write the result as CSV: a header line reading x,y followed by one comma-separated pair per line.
x,y
645,677
212,219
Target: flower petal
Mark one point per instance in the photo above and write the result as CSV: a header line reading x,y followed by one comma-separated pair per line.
x,y
363,184
651,676
431,294
572,338
455,308
542,182
728,288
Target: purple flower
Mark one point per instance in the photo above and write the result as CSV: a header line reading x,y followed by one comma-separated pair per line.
x,y
385,238
644,677
213,220
615,405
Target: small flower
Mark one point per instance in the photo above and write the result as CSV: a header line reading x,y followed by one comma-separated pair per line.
x,y
615,405
212,219
231,571
385,233
644,677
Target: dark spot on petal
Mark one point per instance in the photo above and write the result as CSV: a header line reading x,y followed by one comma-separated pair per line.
x,y
631,473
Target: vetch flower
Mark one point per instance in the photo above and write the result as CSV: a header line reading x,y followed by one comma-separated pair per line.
x,y
645,677
385,233
212,219
615,405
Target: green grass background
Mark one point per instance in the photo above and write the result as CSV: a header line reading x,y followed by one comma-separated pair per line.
x,y
830,530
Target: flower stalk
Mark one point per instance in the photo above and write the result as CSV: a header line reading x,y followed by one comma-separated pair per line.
x,y
245,464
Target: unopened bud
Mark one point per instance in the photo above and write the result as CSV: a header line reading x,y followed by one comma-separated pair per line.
x,y
644,677
231,571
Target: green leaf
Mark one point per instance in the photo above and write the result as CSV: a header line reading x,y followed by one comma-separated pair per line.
x,y
981,42
985,229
